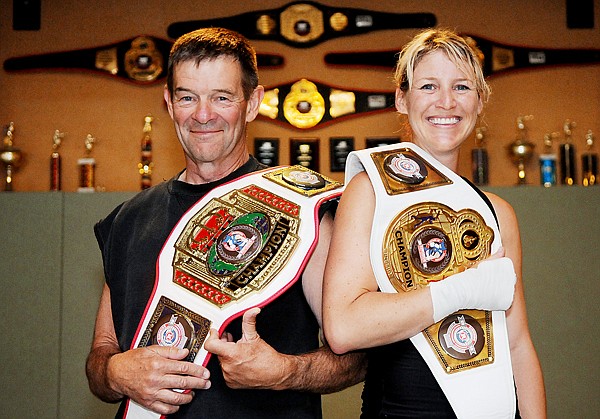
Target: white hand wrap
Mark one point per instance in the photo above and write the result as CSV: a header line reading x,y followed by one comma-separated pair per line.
x,y
489,286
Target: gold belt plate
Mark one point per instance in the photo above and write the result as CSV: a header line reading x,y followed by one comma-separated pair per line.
x,y
403,170
175,325
428,242
463,340
236,244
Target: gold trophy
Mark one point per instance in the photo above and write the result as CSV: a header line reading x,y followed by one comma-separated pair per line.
x,y
589,162
55,162
479,159
521,149
145,165
10,156
87,167
567,156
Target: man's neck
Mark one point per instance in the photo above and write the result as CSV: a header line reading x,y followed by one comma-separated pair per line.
x,y
211,171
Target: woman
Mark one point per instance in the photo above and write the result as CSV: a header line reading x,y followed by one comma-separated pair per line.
x,y
441,89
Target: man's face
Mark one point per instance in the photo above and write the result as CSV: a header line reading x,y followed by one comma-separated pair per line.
x,y
209,111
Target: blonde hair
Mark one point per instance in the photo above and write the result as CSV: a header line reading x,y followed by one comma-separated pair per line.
x,y
461,52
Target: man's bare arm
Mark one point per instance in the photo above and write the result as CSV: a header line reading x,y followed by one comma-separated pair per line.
x,y
104,346
252,363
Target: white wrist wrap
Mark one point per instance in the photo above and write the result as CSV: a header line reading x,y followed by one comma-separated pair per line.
x,y
489,286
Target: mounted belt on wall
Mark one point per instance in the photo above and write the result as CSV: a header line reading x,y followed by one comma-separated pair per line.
x,y
141,60
305,24
496,57
306,104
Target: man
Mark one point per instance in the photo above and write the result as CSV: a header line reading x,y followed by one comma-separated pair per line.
x,y
212,92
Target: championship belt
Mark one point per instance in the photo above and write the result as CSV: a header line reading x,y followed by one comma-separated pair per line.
x,y
304,24
141,60
305,104
240,246
495,57
429,224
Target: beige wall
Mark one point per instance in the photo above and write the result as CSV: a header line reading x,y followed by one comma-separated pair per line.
x,y
113,110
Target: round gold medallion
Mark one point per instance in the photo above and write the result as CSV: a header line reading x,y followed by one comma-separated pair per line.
x,y
143,61
304,106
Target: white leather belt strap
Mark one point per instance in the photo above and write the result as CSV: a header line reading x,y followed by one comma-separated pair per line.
x,y
412,188
240,246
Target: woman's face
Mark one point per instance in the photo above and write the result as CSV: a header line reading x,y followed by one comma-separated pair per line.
x,y
442,105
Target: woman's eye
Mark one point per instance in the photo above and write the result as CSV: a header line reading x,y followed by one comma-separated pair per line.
x,y
428,87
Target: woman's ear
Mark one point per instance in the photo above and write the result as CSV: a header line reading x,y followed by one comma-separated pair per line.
x,y
401,101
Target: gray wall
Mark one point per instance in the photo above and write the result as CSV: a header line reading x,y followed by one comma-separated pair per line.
x,y
52,277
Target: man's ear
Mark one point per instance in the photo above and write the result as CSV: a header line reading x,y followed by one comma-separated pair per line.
x,y
401,101
254,103
168,100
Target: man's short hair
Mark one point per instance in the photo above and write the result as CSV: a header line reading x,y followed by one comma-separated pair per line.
x,y
211,43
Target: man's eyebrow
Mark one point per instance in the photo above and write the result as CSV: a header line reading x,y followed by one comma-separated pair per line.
x,y
183,89
227,91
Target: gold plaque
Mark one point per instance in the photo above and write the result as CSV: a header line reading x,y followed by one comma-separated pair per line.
x,y
106,59
403,170
269,106
174,325
341,103
265,25
302,180
143,61
502,58
302,23
463,340
304,106
338,21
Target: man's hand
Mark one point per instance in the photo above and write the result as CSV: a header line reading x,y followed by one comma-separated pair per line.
x,y
149,376
250,362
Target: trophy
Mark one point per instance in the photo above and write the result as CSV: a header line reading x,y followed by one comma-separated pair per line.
x,y
548,162
10,156
521,149
55,162
589,161
479,159
145,165
567,155
87,167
